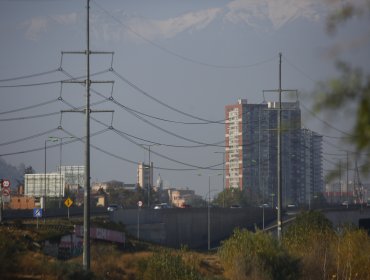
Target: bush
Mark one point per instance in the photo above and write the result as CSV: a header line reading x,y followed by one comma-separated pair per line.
x,y
309,238
168,265
9,253
248,255
351,255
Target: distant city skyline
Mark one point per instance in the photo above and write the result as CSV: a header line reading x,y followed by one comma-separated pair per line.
x,y
176,64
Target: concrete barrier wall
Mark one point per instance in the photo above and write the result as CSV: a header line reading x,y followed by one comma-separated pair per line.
x,y
176,227
347,216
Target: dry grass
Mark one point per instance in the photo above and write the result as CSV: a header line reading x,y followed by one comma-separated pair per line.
x,y
108,261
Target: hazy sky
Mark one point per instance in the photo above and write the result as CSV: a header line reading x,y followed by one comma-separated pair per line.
x,y
176,64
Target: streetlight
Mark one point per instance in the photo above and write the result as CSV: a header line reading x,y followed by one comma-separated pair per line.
x,y
209,210
60,139
150,170
46,140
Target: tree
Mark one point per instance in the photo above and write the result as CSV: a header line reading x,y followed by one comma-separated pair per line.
x,y
229,197
351,90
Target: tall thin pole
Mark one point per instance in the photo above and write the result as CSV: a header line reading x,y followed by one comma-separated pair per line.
x,y
347,182
223,176
259,168
340,181
279,173
209,213
150,178
45,180
60,172
223,179
86,241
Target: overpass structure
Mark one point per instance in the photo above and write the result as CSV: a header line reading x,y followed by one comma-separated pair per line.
x,y
176,227
192,227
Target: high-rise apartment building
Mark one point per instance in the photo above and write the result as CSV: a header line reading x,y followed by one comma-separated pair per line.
x,y
251,151
145,175
312,174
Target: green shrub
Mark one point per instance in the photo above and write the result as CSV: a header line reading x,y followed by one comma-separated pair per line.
x,y
247,255
9,253
309,238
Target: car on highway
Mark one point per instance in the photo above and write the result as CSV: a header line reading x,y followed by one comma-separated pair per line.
x,y
113,207
161,206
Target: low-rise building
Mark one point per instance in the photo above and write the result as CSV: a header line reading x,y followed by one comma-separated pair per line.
x,y
22,202
181,197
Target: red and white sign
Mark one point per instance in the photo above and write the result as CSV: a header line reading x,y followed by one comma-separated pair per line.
x,y
6,192
139,203
6,183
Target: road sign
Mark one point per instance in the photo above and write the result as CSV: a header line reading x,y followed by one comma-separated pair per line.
x,y
6,192
139,203
68,202
6,183
37,212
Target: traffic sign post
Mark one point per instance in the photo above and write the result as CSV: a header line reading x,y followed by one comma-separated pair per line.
x,y
37,213
5,191
68,202
1,201
6,184
139,205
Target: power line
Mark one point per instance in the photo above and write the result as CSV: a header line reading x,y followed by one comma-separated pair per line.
x,y
29,76
48,114
141,146
29,107
182,57
52,146
29,137
325,122
146,121
51,82
135,162
30,117
159,101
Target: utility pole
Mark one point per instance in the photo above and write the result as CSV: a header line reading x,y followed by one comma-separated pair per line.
x,y
86,241
279,175
347,182
279,149
87,111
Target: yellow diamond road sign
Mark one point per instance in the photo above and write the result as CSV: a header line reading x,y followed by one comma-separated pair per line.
x,y
68,202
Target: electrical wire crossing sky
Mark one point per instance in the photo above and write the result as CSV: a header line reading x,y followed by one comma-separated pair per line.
x,y
175,65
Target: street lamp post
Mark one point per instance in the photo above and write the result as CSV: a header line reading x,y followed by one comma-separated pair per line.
x,y
209,211
46,140
223,177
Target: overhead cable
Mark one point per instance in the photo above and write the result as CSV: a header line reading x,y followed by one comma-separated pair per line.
x,y
51,82
29,76
161,102
175,54
29,137
30,107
